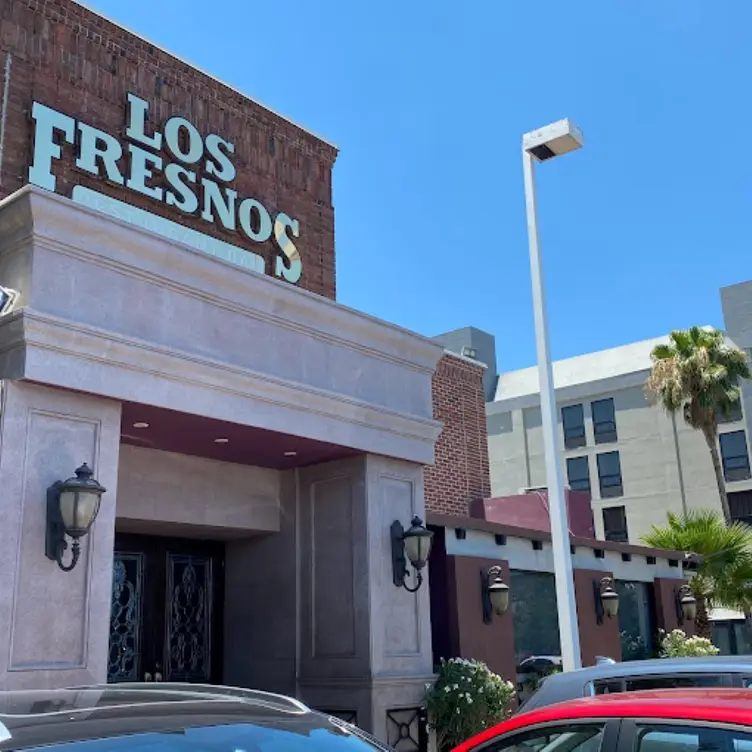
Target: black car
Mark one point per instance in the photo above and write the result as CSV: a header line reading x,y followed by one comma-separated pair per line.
x,y
170,718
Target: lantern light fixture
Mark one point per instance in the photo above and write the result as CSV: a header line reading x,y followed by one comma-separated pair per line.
x,y
72,507
686,604
413,545
494,593
606,599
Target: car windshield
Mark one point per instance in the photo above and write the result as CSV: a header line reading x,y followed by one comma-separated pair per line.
x,y
224,738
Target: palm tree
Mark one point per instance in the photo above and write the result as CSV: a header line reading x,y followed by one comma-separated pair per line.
x,y
698,373
724,574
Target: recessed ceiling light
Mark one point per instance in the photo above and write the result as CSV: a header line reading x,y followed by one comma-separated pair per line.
x,y
221,440
140,425
291,454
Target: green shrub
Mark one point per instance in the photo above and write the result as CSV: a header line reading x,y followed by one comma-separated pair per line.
x,y
466,698
676,644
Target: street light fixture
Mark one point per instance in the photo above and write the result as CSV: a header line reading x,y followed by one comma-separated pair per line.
x,y
541,145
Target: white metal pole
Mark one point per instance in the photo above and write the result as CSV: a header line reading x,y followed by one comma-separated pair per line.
x,y
569,634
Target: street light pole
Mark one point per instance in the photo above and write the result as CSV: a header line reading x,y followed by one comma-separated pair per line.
x,y
546,143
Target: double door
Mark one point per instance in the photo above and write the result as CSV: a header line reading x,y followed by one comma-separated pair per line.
x,y
166,614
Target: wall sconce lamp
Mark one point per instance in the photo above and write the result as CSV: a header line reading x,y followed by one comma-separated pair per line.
x,y
686,604
606,599
413,545
494,593
72,507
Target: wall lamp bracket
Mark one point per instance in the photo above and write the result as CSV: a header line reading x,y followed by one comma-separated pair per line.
x,y
411,546
72,507
606,599
685,603
494,593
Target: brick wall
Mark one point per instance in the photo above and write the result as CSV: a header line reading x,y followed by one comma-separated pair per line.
x,y
74,61
460,473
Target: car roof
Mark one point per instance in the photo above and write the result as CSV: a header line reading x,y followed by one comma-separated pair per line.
x,y
560,687
30,718
725,705
662,665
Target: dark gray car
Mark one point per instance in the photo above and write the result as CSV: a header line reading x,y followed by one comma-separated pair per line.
x,y
660,673
170,718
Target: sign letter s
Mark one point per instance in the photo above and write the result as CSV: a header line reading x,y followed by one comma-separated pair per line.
x,y
291,273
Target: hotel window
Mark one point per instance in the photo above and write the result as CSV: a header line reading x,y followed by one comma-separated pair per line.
x,y
578,473
604,420
615,524
734,414
734,455
573,419
609,475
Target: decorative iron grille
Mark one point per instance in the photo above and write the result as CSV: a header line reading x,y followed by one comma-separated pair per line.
x,y
407,729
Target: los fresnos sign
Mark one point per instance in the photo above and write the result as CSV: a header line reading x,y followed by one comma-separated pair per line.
x,y
208,196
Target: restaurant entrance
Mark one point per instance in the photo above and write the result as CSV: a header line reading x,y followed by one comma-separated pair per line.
x,y
167,608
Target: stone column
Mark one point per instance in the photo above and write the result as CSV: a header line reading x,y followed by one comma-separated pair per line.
x,y
469,635
666,618
595,639
54,625
365,645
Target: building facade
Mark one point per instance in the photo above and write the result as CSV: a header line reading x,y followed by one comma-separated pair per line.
x,y
636,462
475,534
169,318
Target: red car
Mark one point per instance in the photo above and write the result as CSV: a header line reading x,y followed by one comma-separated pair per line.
x,y
664,720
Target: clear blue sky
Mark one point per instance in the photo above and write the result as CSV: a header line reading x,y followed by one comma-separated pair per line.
x,y
427,101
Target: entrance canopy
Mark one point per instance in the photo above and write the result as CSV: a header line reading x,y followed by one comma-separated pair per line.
x,y
110,309
182,433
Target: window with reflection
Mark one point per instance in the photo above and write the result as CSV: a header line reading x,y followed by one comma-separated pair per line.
x,y
604,420
578,474
734,455
534,614
733,415
574,737
573,421
615,524
609,475
636,620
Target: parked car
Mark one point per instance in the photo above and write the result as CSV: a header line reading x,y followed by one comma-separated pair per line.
x,y
170,718
664,720
659,673
532,670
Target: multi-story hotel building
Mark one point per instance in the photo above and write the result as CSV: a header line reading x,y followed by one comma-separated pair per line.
x,y
636,461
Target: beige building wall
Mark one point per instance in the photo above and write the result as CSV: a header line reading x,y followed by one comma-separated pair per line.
x,y
665,465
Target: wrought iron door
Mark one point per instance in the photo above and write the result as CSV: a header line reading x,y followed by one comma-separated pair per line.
x,y
165,622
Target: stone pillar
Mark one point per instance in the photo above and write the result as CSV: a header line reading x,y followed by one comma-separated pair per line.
x,y
54,625
365,645
469,636
595,639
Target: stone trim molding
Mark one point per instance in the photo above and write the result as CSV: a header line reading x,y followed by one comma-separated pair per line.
x,y
55,221
44,349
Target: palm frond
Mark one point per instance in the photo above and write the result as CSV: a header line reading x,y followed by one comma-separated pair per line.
x,y
724,575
